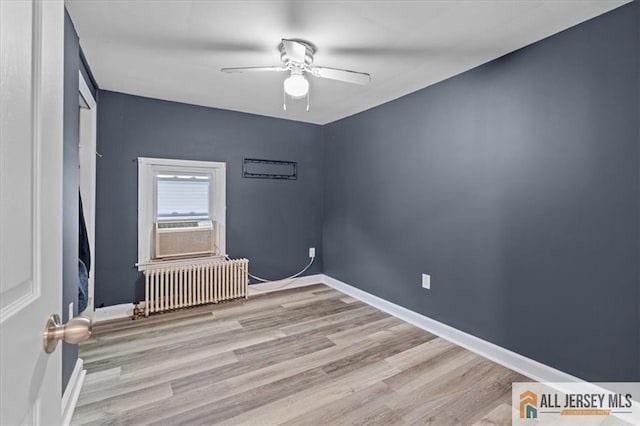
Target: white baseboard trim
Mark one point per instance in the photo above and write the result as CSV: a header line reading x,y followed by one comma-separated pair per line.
x,y
72,392
125,310
514,361
255,289
113,312
535,370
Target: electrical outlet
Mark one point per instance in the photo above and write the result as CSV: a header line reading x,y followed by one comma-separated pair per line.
x,y
426,281
312,252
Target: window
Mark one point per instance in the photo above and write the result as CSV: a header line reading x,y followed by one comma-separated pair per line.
x,y
179,190
182,197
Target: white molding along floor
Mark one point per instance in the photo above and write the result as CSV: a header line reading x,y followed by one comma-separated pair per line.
x,y
509,359
512,360
535,370
270,286
126,309
72,392
526,366
113,312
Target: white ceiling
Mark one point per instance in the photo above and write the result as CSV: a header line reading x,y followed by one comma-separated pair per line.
x,y
174,50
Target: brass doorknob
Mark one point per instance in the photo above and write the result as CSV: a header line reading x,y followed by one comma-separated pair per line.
x,y
76,330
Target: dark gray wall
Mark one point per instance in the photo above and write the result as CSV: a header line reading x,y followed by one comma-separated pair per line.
x,y
516,186
70,189
270,222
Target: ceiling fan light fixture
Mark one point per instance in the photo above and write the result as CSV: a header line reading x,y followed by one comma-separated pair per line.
x,y
296,86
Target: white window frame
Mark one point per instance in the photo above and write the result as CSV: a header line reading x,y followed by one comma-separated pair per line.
x,y
148,168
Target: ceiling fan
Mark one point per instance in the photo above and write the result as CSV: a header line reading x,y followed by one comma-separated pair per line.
x,y
297,57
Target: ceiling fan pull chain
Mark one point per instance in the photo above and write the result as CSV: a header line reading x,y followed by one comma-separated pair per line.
x,y
284,99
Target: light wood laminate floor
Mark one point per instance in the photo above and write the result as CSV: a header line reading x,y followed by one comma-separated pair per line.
x,y
305,356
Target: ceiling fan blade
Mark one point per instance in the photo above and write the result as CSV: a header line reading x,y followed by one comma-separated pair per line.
x,y
341,75
252,69
295,51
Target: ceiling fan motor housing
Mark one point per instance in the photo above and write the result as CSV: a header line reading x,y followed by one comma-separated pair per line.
x,y
310,50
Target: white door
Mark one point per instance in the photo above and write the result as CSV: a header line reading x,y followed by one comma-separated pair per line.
x,y
31,119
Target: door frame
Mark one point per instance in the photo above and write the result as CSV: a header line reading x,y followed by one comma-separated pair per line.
x,y
87,181
87,174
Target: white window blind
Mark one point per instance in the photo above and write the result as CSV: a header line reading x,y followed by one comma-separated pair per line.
x,y
183,197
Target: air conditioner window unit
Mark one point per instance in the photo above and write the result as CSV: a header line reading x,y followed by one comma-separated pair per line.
x,y
184,238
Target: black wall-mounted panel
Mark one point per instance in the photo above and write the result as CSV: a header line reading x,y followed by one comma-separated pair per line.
x,y
269,169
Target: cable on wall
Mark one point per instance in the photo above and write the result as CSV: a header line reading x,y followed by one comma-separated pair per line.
x,y
264,280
